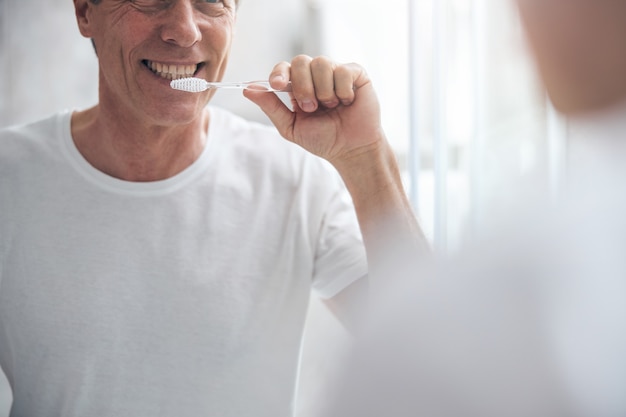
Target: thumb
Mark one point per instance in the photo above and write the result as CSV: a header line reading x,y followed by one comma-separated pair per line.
x,y
275,109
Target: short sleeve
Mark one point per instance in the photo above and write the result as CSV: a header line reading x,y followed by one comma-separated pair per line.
x,y
340,257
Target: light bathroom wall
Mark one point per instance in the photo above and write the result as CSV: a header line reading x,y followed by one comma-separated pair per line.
x,y
46,66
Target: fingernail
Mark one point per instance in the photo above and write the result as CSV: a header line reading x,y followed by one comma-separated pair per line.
x,y
307,105
278,78
331,104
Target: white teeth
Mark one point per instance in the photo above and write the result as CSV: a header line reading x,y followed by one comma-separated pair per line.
x,y
172,72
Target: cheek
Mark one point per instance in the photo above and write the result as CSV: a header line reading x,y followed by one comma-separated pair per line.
x,y
122,30
219,33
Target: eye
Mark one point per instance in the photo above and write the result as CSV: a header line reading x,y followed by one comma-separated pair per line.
x,y
212,7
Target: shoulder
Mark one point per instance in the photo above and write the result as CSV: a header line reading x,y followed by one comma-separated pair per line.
x,y
35,129
25,141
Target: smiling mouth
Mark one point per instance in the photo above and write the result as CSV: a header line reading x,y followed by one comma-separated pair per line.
x,y
172,72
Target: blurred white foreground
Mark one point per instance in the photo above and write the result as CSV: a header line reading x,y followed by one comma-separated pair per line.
x,y
531,322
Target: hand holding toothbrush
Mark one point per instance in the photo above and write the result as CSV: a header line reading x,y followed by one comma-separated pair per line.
x,y
336,115
335,112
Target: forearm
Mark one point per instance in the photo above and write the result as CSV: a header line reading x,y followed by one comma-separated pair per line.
x,y
344,128
392,236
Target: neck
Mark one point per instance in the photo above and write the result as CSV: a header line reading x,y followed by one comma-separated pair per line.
x,y
134,151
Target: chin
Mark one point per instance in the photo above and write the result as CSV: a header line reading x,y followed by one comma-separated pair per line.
x,y
176,115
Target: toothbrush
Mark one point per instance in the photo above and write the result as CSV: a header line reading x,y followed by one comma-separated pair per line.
x,y
197,85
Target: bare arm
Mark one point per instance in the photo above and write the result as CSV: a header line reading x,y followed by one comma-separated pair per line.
x,y
336,116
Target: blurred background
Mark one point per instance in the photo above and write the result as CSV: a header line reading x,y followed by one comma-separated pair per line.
x,y
461,105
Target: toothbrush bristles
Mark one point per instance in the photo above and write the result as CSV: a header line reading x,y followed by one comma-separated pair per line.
x,y
189,84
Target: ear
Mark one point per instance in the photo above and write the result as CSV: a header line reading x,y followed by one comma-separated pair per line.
x,y
82,9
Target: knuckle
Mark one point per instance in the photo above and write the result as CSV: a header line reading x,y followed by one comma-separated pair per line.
x,y
281,65
344,70
301,60
321,62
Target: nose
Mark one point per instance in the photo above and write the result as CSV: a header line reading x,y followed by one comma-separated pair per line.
x,y
181,27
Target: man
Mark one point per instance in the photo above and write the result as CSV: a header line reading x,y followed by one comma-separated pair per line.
x,y
156,257
532,321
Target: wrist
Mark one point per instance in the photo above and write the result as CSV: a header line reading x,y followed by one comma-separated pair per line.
x,y
370,170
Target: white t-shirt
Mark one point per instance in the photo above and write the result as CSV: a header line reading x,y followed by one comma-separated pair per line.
x,y
182,297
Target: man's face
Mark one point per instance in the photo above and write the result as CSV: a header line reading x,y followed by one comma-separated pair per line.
x,y
143,44
580,46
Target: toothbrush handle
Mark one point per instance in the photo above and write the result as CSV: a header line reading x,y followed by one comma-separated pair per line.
x,y
249,85
265,86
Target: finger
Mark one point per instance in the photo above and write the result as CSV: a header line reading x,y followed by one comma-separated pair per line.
x,y
275,109
322,71
349,78
279,77
302,83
